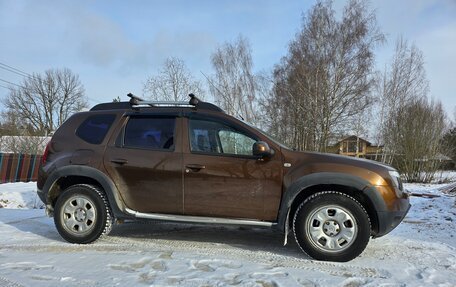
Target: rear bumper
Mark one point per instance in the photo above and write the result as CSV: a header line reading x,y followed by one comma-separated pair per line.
x,y
388,220
41,195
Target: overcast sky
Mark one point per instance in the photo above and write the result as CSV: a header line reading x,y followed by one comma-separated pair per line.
x,y
115,45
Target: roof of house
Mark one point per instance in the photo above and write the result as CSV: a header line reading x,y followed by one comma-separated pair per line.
x,y
354,138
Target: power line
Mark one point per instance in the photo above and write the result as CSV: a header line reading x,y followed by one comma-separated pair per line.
x,y
19,86
23,74
14,70
5,87
11,83
93,100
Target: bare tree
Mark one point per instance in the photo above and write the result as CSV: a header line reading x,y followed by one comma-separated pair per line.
x,y
453,122
172,83
264,84
420,126
233,85
449,144
23,144
44,101
327,76
403,83
411,127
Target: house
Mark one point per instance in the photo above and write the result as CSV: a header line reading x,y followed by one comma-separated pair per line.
x,y
357,147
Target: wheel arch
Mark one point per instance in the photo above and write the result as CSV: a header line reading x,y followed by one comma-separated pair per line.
x,y
351,185
66,176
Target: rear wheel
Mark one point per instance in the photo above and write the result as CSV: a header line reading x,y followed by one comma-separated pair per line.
x,y
331,226
82,214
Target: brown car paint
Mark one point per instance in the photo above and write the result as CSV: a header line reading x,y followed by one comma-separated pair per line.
x,y
304,163
153,181
229,185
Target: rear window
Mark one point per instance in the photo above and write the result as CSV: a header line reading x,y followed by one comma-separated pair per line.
x,y
150,133
94,129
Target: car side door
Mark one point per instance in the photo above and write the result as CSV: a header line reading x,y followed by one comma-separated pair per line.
x,y
222,177
145,162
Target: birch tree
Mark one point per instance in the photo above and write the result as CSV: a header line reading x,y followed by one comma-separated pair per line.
x,y
233,85
411,126
327,76
173,82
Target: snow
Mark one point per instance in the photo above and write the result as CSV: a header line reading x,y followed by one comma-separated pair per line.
x,y
420,252
19,195
444,176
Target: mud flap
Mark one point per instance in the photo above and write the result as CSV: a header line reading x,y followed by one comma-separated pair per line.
x,y
287,229
49,210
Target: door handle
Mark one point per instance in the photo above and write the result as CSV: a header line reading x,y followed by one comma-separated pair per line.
x,y
194,167
120,161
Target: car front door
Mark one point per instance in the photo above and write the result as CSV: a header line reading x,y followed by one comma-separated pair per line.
x,y
145,162
222,178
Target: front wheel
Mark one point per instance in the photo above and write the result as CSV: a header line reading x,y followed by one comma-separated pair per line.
x,y
331,226
82,214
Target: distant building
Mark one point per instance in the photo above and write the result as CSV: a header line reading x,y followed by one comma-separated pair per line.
x,y
357,147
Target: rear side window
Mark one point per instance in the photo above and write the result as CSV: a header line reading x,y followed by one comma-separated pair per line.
x,y
94,129
150,133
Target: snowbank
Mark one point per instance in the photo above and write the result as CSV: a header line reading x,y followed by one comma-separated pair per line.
x,y
19,195
444,176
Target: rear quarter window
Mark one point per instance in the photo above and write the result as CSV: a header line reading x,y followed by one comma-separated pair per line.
x,y
94,129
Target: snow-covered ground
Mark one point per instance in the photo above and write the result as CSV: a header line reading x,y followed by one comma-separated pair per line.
x,y
19,195
420,252
444,176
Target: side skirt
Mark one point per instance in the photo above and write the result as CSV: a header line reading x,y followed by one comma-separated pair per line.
x,y
198,219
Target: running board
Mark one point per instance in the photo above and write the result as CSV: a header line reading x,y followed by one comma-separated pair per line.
x,y
198,219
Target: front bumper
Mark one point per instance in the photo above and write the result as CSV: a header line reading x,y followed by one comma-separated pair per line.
x,y
388,220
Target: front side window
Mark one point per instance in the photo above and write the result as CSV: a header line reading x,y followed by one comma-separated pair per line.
x,y
150,133
235,143
214,137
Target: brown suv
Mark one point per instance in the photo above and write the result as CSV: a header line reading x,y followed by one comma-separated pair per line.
x,y
191,162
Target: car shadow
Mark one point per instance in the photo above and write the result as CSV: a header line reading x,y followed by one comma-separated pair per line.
x,y
32,221
202,236
145,234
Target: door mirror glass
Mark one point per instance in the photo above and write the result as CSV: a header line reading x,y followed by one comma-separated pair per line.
x,y
262,149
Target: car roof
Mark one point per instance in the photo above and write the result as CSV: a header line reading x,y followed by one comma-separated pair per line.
x,y
137,103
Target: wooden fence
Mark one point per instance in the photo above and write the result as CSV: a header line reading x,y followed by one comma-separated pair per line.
x,y
19,167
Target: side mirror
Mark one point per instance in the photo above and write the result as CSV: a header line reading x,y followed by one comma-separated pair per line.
x,y
262,149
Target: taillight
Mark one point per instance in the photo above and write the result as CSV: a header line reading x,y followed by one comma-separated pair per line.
x,y
46,153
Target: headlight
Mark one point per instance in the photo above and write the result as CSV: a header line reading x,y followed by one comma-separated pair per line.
x,y
396,178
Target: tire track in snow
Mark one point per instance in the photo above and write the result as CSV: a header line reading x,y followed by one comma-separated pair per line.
x,y
4,282
274,260
263,257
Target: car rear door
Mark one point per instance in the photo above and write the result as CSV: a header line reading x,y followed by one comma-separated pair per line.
x,y
145,163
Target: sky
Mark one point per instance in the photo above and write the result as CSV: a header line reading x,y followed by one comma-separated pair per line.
x,y
114,46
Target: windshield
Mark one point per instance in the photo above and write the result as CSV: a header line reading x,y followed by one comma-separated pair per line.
x,y
270,137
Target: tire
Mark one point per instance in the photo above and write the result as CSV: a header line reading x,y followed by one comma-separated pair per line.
x,y
82,214
331,226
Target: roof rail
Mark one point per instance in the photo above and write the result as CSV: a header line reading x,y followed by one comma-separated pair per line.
x,y
137,103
